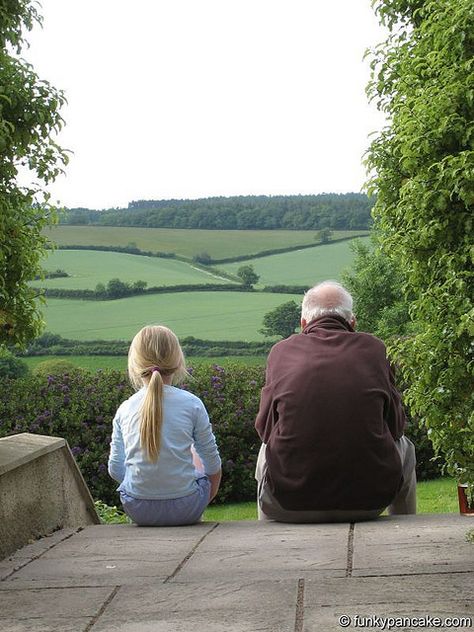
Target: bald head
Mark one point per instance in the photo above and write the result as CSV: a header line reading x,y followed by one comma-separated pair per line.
x,y
326,299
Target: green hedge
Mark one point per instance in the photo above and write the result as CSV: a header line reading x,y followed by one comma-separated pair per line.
x,y
55,345
80,407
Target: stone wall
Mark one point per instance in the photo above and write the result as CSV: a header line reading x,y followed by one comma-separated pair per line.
x,y
41,490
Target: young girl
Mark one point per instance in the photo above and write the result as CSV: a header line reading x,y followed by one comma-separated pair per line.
x,y
163,452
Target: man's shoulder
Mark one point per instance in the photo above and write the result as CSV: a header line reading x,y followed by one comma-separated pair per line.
x,y
300,343
283,345
369,338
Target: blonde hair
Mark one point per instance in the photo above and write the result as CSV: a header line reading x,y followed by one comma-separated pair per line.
x,y
155,352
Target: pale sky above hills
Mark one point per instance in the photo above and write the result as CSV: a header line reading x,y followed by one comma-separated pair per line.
x,y
196,98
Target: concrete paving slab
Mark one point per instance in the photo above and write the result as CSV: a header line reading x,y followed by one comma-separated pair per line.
x,y
128,555
372,617
38,603
372,591
252,534
244,606
236,549
131,531
52,624
409,596
403,545
32,551
89,572
57,609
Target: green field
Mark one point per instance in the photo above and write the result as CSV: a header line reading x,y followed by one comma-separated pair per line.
x,y
301,267
187,242
119,363
86,268
208,315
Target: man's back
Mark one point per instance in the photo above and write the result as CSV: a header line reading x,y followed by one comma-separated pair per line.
x,y
329,415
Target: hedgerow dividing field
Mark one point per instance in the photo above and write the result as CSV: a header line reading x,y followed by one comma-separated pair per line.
x,y
119,363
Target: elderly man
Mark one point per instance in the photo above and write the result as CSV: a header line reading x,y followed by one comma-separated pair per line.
x,y
331,422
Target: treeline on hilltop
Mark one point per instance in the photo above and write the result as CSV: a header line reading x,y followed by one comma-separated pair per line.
x,y
344,211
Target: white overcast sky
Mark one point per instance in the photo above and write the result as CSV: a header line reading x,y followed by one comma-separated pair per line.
x,y
197,98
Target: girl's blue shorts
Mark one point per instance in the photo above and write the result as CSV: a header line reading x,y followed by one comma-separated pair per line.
x,y
168,512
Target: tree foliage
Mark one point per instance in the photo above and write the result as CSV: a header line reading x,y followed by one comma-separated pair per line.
x,y
282,321
28,119
248,275
422,170
324,235
378,287
343,211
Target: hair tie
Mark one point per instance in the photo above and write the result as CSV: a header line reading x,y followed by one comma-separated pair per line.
x,y
155,368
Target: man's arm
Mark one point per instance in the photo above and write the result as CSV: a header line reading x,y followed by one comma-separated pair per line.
x,y
267,414
395,414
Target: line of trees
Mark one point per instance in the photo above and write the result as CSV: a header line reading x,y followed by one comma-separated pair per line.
x,y
345,211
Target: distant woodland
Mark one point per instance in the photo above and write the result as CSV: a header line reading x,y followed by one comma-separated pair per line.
x,y
345,211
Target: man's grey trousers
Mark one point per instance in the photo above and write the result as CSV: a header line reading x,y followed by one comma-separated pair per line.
x,y
404,503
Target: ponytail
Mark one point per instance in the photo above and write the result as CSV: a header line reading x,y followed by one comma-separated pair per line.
x,y
155,352
151,417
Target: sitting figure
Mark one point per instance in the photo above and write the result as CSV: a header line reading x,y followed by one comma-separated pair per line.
x,y
163,452
331,422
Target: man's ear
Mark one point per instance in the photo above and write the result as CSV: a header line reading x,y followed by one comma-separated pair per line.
x,y
353,321
303,323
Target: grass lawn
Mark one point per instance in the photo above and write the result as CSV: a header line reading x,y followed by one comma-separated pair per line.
x,y
301,267
437,496
86,268
119,363
207,315
187,242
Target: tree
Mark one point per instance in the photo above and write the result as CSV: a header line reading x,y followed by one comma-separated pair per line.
x,y
378,287
116,288
29,116
203,257
324,235
282,321
248,275
422,170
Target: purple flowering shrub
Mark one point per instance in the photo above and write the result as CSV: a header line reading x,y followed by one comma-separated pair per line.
x,y
80,406
231,396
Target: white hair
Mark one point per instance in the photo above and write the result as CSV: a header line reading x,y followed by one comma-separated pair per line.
x,y
326,299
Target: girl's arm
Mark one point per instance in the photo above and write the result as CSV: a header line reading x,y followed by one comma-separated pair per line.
x,y
215,482
117,453
206,447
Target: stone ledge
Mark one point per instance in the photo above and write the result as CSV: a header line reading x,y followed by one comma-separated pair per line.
x,y
19,449
41,490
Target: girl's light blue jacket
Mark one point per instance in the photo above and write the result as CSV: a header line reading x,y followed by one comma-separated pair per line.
x,y
185,423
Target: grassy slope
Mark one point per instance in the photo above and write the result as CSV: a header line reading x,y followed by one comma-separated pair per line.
x,y
88,267
301,267
186,242
209,315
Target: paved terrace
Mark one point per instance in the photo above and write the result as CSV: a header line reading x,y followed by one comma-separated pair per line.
x,y
240,576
